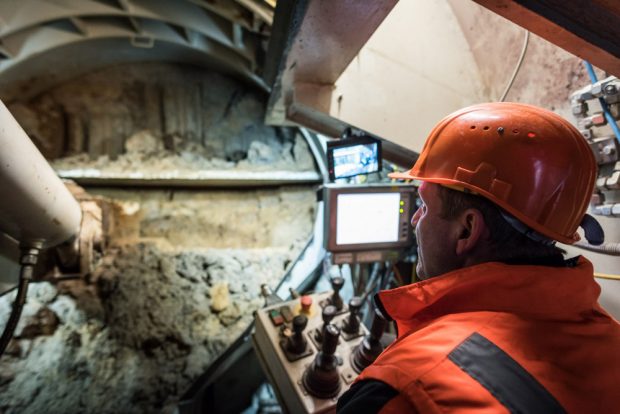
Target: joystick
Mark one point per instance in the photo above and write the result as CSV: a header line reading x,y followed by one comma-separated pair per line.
x,y
337,283
321,379
370,348
351,326
296,343
304,351
328,314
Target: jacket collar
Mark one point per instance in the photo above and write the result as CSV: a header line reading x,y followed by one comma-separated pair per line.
x,y
541,292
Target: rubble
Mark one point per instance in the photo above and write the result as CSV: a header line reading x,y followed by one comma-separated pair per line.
x,y
165,316
182,270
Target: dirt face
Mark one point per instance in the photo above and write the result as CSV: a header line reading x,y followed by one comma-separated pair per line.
x,y
177,285
138,333
182,270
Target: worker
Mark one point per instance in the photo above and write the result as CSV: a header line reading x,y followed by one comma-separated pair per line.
x,y
501,321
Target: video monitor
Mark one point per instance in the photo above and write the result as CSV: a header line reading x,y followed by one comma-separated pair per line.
x,y
353,156
370,217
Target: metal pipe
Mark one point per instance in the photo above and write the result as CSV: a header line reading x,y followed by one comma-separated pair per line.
x,y
36,207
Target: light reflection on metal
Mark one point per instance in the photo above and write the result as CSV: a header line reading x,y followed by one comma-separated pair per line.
x,y
205,178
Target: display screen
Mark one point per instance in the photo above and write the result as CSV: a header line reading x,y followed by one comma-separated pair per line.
x,y
353,156
355,160
366,218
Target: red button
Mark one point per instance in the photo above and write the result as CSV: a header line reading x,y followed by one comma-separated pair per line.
x,y
276,318
306,303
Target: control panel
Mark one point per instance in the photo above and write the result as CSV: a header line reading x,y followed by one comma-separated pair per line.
x,y
313,347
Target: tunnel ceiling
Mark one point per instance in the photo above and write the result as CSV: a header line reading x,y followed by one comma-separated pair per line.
x,y
44,42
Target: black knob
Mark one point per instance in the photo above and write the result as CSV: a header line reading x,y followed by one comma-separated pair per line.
x,y
337,283
328,314
297,343
355,304
299,323
330,343
352,324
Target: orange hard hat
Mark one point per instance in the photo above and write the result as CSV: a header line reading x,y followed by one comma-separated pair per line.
x,y
529,161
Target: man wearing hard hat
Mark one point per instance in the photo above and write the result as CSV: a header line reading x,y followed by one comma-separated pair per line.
x,y
500,322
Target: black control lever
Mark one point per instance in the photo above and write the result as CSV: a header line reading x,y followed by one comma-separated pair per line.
x,y
321,378
337,282
328,314
369,349
297,343
352,324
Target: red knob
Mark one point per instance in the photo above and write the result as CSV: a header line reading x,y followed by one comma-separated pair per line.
x,y
306,303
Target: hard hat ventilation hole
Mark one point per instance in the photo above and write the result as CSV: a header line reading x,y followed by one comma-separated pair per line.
x,y
472,127
515,131
486,128
531,135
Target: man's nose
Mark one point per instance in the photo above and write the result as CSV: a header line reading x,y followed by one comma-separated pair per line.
x,y
416,216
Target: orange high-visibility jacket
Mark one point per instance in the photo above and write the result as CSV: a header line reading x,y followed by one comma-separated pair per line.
x,y
498,338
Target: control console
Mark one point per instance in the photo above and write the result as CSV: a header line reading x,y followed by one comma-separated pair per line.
x,y
313,347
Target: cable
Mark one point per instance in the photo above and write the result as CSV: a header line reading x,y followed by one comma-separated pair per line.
x,y
28,261
9,290
610,119
519,62
399,278
374,281
611,249
607,276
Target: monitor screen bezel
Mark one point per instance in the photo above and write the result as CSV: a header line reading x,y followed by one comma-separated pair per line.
x,y
351,142
330,198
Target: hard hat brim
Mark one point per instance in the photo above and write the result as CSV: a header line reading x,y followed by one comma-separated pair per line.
x,y
405,175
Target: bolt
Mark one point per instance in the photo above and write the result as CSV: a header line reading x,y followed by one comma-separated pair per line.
x,y
609,150
610,89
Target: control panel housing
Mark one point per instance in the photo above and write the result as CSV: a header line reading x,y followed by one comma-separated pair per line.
x,y
284,369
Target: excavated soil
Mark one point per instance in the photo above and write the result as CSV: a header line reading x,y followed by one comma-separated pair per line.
x,y
182,270
177,285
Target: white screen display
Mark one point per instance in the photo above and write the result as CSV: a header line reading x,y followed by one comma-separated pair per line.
x,y
355,160
367,218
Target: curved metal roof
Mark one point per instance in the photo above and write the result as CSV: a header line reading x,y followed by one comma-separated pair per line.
x,y
43,42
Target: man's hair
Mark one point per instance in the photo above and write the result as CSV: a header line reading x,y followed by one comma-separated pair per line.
x,y
508,244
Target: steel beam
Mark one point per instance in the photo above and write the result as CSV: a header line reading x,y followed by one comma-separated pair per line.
x,y
589,29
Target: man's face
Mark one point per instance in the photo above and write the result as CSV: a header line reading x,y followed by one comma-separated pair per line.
x,y
435,235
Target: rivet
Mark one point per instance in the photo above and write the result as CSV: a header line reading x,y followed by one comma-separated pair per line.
x,y
500,130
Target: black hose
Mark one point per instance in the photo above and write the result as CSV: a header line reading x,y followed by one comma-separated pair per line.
x,y
28,260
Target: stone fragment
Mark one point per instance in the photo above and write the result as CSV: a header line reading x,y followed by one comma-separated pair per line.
x,y
143,141
230,315
220,297
44,322
260,153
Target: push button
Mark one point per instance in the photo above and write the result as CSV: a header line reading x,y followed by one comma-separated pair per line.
x,y
276,317
286,313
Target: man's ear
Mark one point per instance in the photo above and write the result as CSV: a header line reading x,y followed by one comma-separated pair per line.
x,y
471,229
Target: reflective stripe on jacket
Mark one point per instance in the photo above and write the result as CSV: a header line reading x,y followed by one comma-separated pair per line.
x,y
502,338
